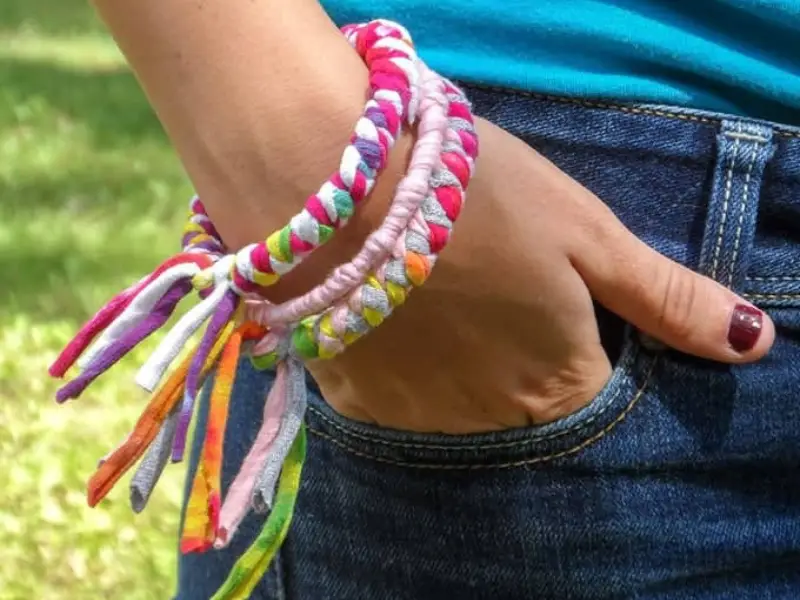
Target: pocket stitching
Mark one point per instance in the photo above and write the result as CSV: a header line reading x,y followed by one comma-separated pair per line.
x,y
629,364
772,296
785,278
507,465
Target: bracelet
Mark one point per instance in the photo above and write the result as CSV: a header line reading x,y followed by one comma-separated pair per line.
x,y
389,55
355,298
429,199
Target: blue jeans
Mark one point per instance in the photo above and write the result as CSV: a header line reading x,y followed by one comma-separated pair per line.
x,y
680,480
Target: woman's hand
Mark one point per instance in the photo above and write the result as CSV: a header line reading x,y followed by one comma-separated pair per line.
x,y
504,331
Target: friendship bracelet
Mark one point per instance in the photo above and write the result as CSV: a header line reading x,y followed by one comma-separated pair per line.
x,y
286,401
443,135
390,58
409,195
355,298
393,98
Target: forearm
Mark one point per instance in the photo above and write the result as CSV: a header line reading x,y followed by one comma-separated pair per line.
x,y
259,98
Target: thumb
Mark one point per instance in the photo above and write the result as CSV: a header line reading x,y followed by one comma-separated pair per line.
x,y
683,309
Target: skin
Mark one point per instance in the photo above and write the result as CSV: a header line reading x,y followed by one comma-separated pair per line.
x,y
260,97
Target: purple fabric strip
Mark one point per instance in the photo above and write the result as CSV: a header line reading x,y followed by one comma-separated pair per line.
x,y
209,228
187,237
208,246
181,429
376,116
221,316
370,152
161,312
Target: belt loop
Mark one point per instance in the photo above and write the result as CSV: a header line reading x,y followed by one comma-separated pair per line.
x,y
744,148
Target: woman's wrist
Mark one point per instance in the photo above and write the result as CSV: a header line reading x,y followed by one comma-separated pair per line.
x,y
258,115
259,191
258,98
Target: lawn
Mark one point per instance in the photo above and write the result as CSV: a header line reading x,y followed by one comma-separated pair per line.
x,y
91,197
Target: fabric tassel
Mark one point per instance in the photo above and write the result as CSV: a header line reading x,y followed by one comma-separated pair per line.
x,y
222,316
145,431
240,493
153,464
153,370
291,422
202,509
119,348
253,564
92,329
181,433
100,321
142,305
198,530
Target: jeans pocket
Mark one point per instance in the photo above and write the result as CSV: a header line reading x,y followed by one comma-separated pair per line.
x,y
527,446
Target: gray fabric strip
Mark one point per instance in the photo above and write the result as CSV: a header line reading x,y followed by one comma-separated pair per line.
x,y
264,493
155,460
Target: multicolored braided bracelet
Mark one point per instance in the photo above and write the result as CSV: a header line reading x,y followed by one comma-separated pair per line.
x,y
355,298
374,291
389,55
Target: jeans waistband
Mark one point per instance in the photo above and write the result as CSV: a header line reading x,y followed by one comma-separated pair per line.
x,y
718,193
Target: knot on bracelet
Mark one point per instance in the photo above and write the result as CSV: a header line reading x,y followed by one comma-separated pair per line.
x,y
219,273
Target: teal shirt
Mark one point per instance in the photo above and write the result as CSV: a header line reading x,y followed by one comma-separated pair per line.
x,y
735,56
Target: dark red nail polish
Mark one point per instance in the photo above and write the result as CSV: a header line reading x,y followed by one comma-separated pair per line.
x,y
746,324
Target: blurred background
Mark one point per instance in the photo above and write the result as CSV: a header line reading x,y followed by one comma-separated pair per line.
x,y
91,198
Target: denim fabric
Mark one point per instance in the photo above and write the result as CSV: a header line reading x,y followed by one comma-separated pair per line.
x,y
681,480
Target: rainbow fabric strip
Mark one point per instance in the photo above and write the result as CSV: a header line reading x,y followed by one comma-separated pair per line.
x,y
355,298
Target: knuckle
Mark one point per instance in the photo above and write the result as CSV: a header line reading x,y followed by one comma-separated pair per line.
x,y
680,301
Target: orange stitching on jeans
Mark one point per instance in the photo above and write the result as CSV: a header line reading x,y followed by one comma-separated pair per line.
x,y
530,461
620,107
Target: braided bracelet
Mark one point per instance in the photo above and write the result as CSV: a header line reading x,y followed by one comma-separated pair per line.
x,y
389,55
355,298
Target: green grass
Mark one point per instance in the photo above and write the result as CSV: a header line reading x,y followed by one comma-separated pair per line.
x,y
91,198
